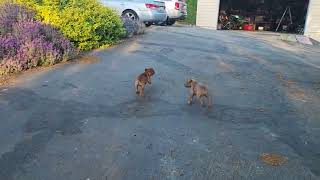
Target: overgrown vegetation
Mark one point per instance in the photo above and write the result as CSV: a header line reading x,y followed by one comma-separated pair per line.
x,y
192,11
87,23
45,32
26,43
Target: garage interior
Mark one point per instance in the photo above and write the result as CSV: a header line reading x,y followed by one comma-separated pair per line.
x,y
287,16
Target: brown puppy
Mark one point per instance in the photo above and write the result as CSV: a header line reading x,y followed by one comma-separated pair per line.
x,y
142,80
199,90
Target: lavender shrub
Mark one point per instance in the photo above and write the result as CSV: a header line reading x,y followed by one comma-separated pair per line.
x,y
13,13
26,43
8,46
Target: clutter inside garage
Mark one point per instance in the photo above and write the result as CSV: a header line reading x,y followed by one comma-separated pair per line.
x,y
263,15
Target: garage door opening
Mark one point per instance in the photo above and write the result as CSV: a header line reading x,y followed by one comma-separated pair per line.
x,y
287,16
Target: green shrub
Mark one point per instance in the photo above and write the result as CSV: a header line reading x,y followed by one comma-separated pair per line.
x,y
90,25
87,23
192,11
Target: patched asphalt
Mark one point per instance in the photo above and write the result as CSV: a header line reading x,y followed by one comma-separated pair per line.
x,y
83,120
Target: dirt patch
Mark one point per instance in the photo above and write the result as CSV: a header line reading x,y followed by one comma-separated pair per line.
x,y
259,59
13,79
88,59
285,82
273,159
226,66
293,91
16,78
5,80
298,95
288,83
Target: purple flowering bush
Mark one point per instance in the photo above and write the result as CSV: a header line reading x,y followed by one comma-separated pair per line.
x,y
12,13
26,43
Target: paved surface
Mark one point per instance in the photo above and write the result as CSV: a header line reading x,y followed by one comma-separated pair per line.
x,y
83,121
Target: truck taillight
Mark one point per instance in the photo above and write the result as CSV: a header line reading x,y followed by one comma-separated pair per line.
x,y
177,6
152,6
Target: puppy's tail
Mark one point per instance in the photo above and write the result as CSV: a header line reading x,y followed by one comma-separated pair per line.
x,y
136,85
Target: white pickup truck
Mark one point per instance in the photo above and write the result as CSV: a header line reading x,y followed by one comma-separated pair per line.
x,y
176,10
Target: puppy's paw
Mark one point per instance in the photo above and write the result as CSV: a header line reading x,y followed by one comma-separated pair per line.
x,y
189,102
137,92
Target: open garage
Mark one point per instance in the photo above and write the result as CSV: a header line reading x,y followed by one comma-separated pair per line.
x,y
289,16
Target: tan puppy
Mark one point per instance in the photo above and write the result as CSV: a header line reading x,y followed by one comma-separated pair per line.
x,y
142,80
199,90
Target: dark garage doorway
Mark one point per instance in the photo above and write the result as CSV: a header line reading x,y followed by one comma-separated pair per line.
x,y
263,15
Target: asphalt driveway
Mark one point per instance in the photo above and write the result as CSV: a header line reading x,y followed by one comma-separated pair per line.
x,y
83,120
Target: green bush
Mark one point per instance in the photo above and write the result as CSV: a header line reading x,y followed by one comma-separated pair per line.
x,y
93,27
87,23
192,11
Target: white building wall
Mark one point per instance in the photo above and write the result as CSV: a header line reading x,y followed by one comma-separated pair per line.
x,y
312,26
207,13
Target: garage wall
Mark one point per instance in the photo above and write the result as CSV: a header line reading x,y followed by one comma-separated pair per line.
x,y
207,13
312,27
